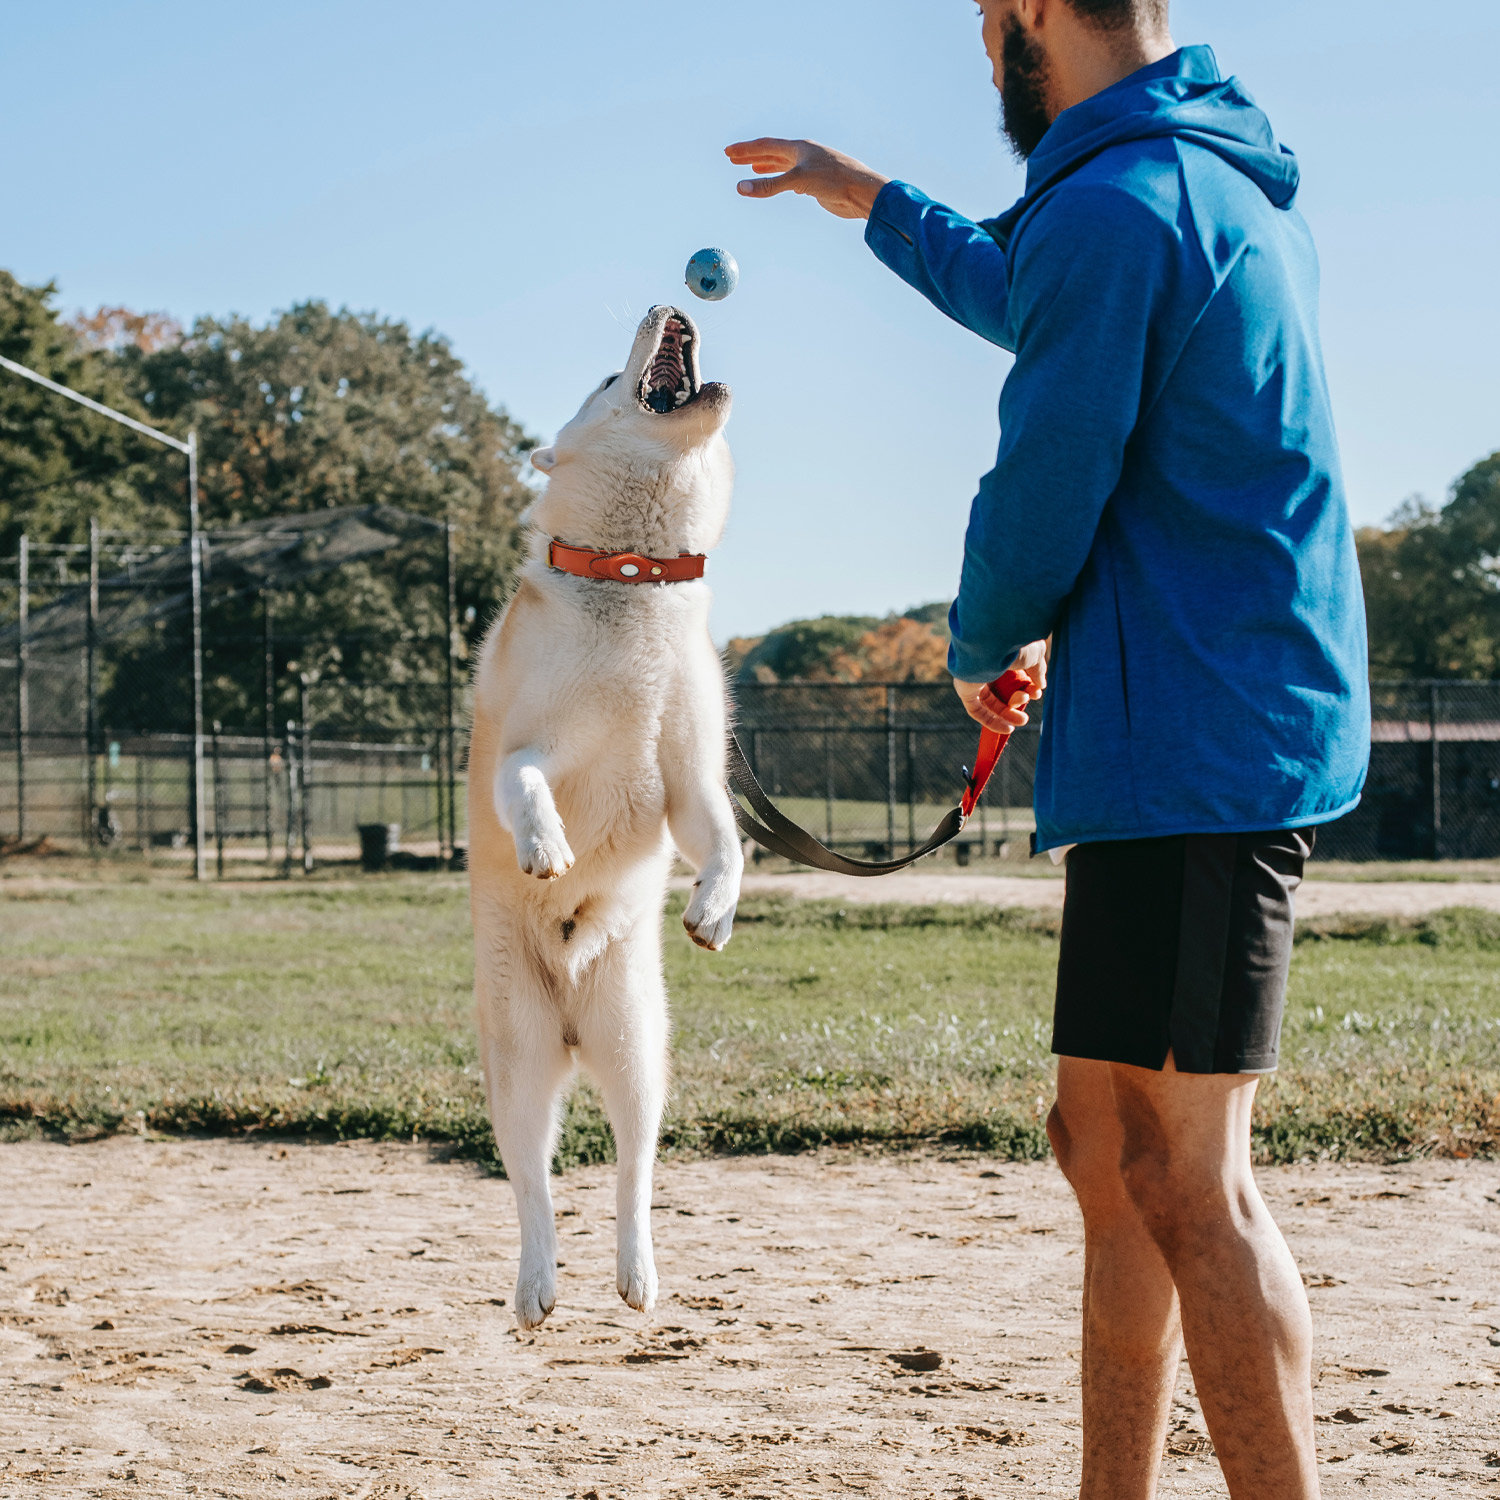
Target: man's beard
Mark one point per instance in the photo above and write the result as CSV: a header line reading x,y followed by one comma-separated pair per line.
x,y
1024,118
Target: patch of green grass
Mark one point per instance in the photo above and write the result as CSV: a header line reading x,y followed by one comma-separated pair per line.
x,y
345,1010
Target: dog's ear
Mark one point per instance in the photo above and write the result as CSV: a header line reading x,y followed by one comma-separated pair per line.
x,y
544,459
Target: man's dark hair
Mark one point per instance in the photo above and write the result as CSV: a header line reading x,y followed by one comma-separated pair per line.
x,y
1117,15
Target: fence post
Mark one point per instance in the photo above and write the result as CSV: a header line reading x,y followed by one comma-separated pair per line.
x,y
307,855
23,704
142,820
218,803
450,578
911,790
195,566
289,763
1004,802
93,827
827,787
1437,771
268,715
890,771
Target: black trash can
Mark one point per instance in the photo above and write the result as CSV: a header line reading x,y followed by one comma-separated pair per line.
x,y
377,842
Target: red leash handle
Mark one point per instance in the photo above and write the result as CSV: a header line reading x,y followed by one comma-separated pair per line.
x,y
991,741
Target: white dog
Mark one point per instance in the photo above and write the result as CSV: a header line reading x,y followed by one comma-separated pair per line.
x,y
599,742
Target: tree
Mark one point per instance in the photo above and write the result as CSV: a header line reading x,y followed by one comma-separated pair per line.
x,y
60,463
113,328
897,650
848,648
803,650
318,409
1432,583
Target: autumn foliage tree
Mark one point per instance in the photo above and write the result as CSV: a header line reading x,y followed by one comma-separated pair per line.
x,y
848,648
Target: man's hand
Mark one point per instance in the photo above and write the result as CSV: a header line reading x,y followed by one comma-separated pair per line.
x,y
845,187
983,706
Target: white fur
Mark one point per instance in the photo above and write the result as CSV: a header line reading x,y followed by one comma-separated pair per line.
x,y
599,740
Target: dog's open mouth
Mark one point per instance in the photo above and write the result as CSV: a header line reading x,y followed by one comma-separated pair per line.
x,y
671,379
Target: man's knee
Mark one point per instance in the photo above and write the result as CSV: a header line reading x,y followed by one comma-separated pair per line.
x,y
1181,1198
1062,1141
1090,1160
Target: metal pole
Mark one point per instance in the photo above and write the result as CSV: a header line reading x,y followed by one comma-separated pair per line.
x,y
23,703
268,717
289,762
96,406
911,790
890,771
1005,761
195,559
450,574
218,803
1437,771
307,857
827,787
142,825
91,686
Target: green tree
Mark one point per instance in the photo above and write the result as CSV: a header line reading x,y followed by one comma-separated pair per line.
x,y
319,409
846,648
803,649
59,462
1432,583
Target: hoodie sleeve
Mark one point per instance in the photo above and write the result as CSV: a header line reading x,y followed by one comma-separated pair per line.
x,y
1092,273
949,259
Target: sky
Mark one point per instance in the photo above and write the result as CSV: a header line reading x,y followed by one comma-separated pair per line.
x,y
528,178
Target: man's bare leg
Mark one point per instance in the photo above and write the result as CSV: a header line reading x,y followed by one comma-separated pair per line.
x,y
1131,1344
1245,1318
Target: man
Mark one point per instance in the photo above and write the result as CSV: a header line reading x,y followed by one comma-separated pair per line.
x,y
1167,507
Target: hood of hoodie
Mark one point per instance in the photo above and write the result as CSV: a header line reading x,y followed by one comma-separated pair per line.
x,y
1183,96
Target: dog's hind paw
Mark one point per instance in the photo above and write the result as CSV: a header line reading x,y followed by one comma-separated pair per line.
x,y
536,1295
545,857
636,1279
708,923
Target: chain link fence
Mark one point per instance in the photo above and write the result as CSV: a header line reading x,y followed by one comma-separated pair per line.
x,y
871,767
317,744
309,735
1433,791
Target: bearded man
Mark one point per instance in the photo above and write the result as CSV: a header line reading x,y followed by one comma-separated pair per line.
x,y
1167,507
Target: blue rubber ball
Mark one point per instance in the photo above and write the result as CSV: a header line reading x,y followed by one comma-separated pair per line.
x,y
712,274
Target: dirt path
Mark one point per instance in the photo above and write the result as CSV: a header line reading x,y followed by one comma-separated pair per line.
x,y
246,1320
1317,898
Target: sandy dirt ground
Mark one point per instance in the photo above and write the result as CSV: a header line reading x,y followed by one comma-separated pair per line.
x,y
1316,898
249,1319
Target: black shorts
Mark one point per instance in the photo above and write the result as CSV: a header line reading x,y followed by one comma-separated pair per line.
x,y
1178,944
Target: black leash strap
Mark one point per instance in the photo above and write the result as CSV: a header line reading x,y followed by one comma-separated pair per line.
x,y
782,836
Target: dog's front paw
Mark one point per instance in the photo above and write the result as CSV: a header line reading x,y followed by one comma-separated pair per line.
x,y
635,1275
709,919
536,1294
544,854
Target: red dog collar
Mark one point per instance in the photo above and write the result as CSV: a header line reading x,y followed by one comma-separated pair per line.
x,y
624,567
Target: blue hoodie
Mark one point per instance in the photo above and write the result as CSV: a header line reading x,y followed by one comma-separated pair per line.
x,y
1167,502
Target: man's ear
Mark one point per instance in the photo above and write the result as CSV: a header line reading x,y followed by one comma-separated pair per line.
x,y
544,459
1031,13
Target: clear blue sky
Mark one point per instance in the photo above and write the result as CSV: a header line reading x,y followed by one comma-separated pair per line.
x,y
529,177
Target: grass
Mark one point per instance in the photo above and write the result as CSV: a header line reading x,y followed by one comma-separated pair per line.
x,y
344,1010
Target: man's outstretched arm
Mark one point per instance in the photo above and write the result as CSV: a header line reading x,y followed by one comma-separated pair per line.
x,y
948,258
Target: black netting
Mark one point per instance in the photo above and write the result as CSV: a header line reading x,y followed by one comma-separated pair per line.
x,y
310,728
